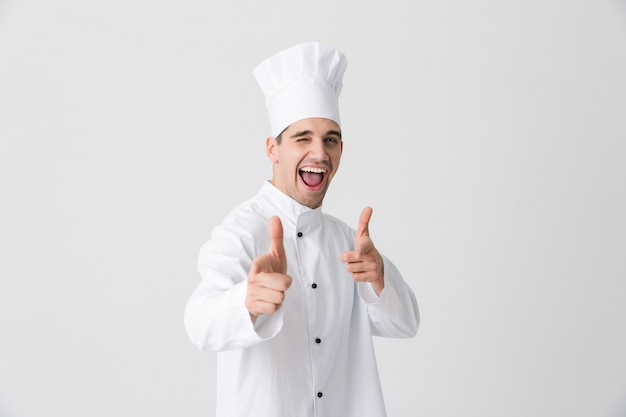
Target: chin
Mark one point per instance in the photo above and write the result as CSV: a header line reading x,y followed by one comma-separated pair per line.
x,y
312,203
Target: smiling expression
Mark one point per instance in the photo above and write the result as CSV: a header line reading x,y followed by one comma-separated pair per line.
x,y
305,159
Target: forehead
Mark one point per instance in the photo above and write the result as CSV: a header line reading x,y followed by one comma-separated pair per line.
x,y
316,125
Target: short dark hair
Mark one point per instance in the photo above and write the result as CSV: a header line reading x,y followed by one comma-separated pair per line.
x,y
279,138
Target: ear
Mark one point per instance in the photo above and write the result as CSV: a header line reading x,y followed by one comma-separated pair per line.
x,y
271,149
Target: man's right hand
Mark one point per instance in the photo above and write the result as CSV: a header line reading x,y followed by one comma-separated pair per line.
x,y
268,279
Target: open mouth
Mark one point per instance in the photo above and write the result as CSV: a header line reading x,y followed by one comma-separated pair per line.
x,y
312,176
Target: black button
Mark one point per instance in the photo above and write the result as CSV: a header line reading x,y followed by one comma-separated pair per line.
x,y
299,234
314,285
318,340
319,394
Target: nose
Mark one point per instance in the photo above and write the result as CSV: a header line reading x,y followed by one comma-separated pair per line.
x,y
318,150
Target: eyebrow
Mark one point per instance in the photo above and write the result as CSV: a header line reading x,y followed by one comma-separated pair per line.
x,y
308,132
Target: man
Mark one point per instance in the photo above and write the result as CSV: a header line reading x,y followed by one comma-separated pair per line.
x,y
290,296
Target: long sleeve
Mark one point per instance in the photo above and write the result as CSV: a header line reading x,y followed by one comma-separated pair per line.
x,y
395,312
215,315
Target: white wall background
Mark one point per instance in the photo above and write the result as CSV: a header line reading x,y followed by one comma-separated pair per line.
x,y
489,136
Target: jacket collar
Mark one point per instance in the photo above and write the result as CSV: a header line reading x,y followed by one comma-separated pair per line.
x,y
289,208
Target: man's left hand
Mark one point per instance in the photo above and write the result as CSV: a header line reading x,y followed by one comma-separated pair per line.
x,y
365,262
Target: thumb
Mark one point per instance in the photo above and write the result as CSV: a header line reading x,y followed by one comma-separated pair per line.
x,y
364,220
275,259
363,242
276,237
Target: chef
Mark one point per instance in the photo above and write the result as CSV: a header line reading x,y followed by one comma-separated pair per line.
x,y
290,296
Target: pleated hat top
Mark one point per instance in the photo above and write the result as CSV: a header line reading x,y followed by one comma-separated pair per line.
x,y
300,82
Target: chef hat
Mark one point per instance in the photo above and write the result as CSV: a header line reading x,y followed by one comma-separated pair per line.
x,y
300,82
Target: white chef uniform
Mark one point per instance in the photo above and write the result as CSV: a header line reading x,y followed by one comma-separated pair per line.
x,y
314,357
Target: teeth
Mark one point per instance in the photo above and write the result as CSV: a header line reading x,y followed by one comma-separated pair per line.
x,y
314,170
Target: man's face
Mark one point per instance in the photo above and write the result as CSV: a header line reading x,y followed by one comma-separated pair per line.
x,y
306,159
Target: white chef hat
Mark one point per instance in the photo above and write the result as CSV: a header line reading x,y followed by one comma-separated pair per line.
x,y
301,82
